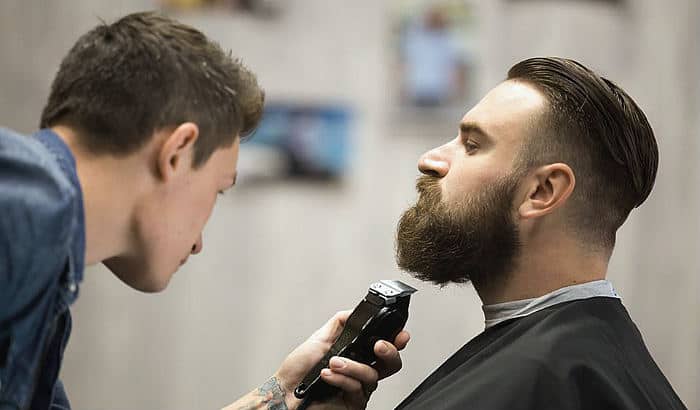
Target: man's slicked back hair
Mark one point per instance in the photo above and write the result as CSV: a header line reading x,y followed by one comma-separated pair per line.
x,y
123,81
592,125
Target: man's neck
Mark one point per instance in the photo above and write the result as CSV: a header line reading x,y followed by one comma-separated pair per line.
x,y
542,268
108,193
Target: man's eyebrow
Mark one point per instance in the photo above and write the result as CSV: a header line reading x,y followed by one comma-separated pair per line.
x,y
472,127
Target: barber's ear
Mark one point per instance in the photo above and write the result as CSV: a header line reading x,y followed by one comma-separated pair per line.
x,y
548,188
177,150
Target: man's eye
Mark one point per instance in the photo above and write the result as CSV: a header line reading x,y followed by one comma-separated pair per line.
x,y
221,192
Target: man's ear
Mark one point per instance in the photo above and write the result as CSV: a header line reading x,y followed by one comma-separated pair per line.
x,y
548,188
177,150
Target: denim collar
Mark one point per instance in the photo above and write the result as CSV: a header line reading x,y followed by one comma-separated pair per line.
x,y
65,159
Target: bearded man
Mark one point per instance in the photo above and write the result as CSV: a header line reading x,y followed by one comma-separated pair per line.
x,y
525,203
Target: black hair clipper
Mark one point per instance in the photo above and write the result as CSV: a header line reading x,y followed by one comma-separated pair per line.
x,y
380,316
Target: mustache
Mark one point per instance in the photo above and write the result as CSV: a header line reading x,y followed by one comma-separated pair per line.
x,y
429,191
425,184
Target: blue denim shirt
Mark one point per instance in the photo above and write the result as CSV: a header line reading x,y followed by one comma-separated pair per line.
x,y
42,251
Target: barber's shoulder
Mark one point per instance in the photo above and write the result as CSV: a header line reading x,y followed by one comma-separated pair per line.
x,y
36,198
37,206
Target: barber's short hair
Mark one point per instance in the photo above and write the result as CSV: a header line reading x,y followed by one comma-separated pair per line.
x,y
123,81
592,125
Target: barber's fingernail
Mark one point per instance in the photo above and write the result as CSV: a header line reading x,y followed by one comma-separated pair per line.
x,y
338,362
383,348
326,372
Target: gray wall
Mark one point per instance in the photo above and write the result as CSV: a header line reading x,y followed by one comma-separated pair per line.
x,y
279,259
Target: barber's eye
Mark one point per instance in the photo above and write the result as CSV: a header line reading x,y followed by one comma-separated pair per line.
x,y
470,147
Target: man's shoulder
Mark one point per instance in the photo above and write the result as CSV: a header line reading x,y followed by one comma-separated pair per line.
x,y
509,366
574,332
548,360
595,329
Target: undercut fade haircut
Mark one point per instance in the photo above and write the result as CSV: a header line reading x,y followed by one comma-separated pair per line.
x,y
592,125
122,82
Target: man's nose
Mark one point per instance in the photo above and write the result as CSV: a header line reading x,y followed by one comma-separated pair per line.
x,y
197,247
435,162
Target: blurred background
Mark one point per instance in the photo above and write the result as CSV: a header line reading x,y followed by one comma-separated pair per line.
x,y
357,90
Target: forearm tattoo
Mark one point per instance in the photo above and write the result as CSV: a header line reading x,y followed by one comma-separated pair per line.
x,y
269,396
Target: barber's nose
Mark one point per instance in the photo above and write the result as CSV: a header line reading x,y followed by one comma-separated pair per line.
x,y
197,247
434,162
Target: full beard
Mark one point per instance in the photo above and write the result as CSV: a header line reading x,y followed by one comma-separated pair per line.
x,y
475,241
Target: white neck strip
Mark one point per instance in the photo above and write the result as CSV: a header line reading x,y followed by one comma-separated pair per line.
x,y
499,312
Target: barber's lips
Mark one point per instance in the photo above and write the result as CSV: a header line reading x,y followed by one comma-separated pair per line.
x,y
182,262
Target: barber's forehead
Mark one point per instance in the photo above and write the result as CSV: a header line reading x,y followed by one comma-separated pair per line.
x,y
508,111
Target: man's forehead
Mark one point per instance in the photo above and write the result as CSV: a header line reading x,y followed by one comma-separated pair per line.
x,y
508,110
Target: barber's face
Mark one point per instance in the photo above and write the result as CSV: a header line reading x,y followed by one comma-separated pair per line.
x,y
168,224
464,225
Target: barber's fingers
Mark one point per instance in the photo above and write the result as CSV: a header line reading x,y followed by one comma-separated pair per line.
x,y
361,372
342,317
356,379
388,357
402,340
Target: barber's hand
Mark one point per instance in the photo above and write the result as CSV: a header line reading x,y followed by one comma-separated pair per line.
x,y
356,381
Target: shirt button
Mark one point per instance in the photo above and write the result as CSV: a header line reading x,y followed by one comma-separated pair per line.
x,y
72,287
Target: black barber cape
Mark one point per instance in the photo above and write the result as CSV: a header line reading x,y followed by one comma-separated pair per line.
x,y
585,354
